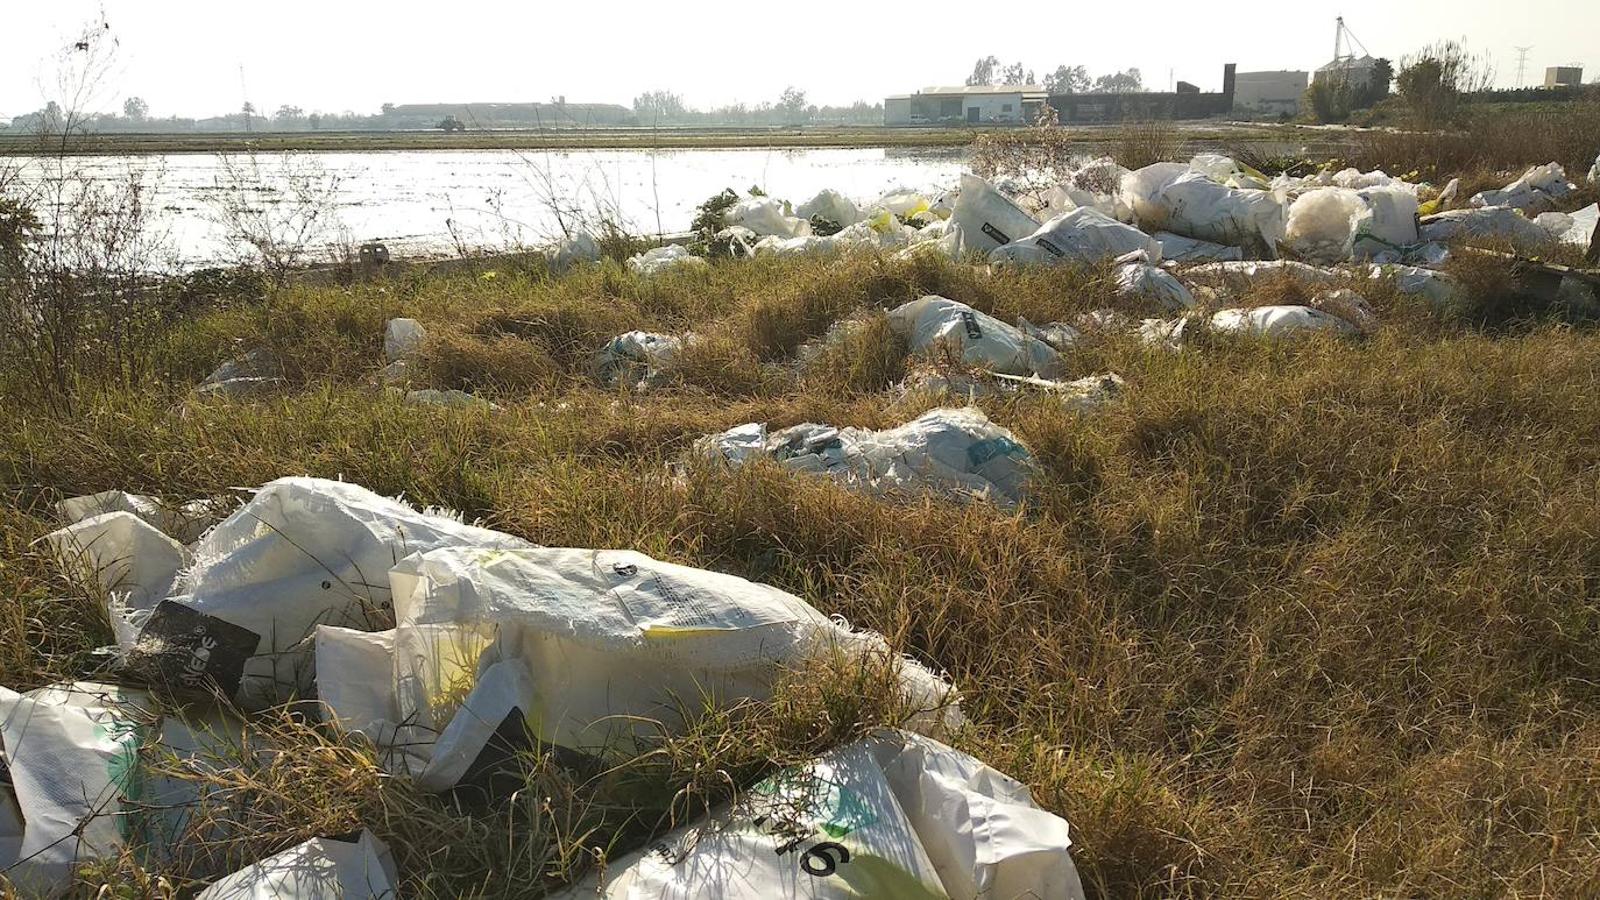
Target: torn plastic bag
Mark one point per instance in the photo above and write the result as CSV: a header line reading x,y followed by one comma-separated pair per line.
x,y
766,216
74,753
1084,235
642,359
1165,334
572,250
1572,228
1138,280
1248,272
1330,225
985,219
183,524
1495,223
402,338
1390,228
1278,321
133,562
1438,287
1177,248
1086,394
832,206
956,452
1224,170
656,260
982,340
302,552
593,651
1193,205
893,815
319,869
254,374
1538,190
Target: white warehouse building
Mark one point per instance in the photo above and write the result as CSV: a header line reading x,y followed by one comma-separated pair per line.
x,y
1269,92
970,104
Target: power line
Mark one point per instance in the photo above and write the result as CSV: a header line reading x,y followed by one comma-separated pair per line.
x,y
1522,64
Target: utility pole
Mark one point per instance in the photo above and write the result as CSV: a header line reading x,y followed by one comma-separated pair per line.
x,y
1522,64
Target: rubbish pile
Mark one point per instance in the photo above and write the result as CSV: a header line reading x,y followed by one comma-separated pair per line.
x,y
451,647
933,323
1539,189
954,452
639,359
657,260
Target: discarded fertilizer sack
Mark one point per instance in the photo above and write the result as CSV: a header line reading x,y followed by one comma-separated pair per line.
x,y
1500,223
657,260
1172,197
1278,322
78,787
1137,279
1330,225
955,452
183,523
134,564
301,552
591,651
1084,235
1538,190
935,322
1083,394
892,815
319,869
986,220
639,359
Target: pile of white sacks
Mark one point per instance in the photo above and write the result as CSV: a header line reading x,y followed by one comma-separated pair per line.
x,y
451,646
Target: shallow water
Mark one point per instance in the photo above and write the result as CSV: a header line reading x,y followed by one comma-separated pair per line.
x,y
437,202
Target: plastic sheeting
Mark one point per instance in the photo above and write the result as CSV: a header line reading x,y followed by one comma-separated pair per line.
x,y
1539,189
570,251
1171,197
1138,280
767,216
1084,235
1500,223
402,338
894,815
954,452
184,523
642,359
319,869
1278,321
657,260
982,340
831,206
1177,248
1438,287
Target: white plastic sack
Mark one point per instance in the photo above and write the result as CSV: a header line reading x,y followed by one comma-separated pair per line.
x,y
1390,229
570,251
1576,228
1088,393
956,452
1224,170
1278,321
986,220
402,338
1084,235
1248,271
183,524
831,206
1322,224
1170,197
981,339
1349,306
592,651
1438,287
134,563
1177,248
767,216
302,552
894,815
642,359
1538,190
656,260
73,756
1495,223
319,869
1138,280
902,202
1594,171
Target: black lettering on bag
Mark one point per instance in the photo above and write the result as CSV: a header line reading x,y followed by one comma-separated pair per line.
x,y
995,234
1045,243
824,859
970,320
188,651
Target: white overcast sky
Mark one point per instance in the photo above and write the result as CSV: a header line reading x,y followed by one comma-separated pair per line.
x,y
185,56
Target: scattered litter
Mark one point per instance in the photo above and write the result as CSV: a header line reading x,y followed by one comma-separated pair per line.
x,y
765,216
183,524
982,340
656,260
1177,248
1137,279
957,452
1084,235
134,563
450,399
1438,287
830,206
1349,306
1539,189
1224,170
1571,228
1101,321
1165,334
1171,197
319,869
986,220
575,249
591,651
903,203
1278,321
241,388
1334,224
1493,222
1089,393
301,552
74,757
892,815
1060,335
1249,272
641,359
254,374
402,338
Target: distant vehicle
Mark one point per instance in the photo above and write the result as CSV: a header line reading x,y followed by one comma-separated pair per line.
x,y
451,123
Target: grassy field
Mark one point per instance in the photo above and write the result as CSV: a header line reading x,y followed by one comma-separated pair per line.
x,y
1311,619
596,139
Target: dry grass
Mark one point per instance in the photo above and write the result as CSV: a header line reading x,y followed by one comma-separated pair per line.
x,y
1293,620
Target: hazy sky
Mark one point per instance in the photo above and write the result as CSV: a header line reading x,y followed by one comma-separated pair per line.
x,y
184,56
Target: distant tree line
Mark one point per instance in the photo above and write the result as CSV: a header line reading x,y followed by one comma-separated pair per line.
x,y
1064,80
667,108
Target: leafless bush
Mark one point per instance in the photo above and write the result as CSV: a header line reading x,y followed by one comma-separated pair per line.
x,y
281,215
